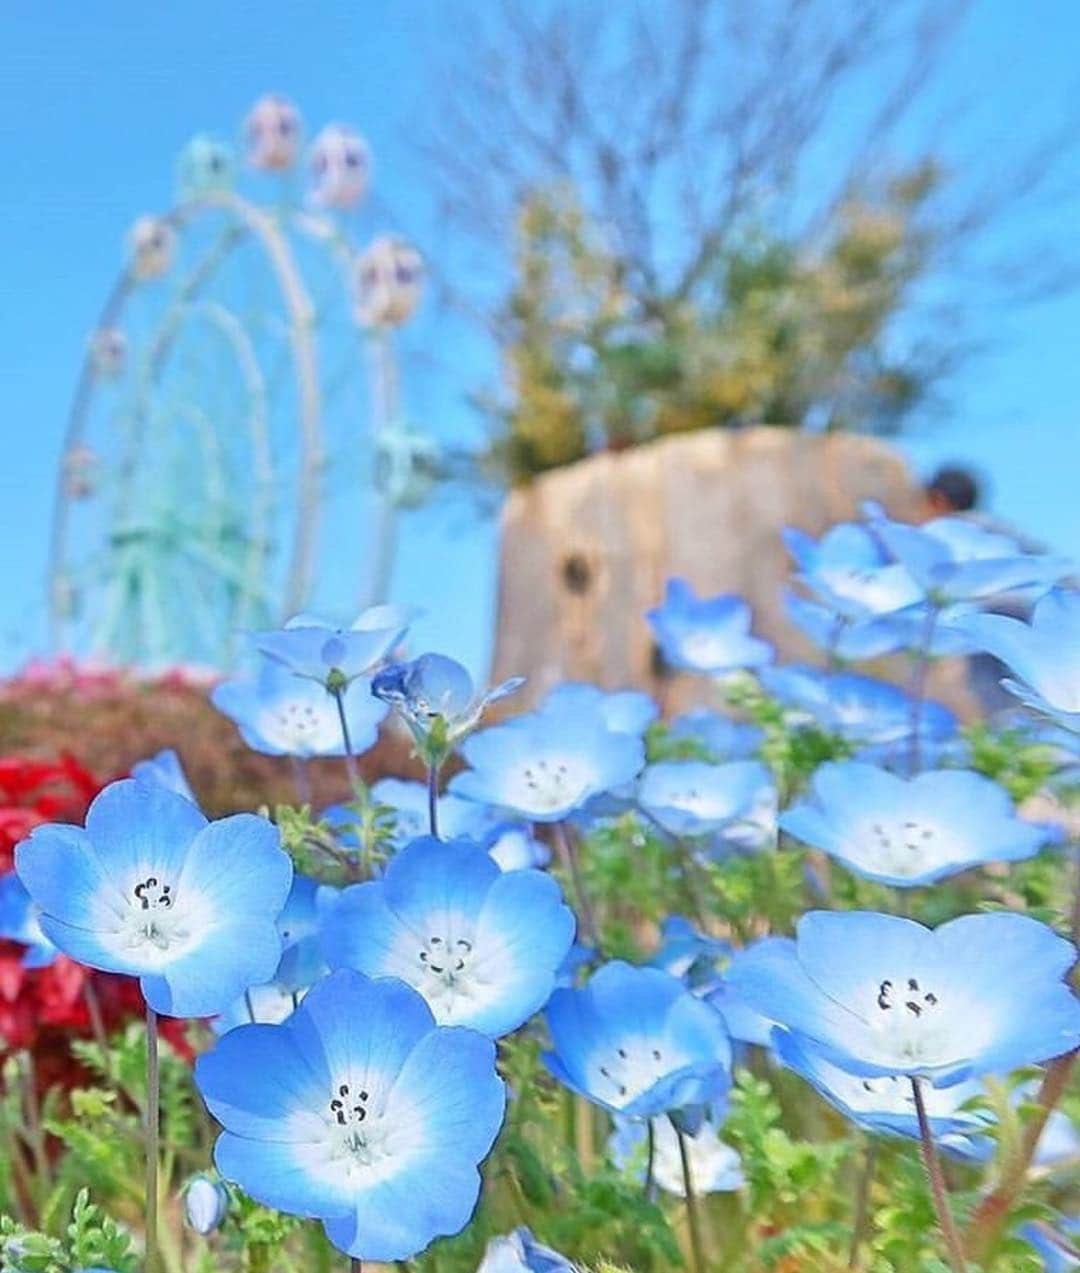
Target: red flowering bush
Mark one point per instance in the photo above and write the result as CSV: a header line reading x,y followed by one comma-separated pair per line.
x,y
42,1009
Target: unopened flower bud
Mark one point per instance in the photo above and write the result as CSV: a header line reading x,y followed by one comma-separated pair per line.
x,y
205,1203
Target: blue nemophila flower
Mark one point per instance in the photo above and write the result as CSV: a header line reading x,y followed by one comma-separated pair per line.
x,y
19,921
579,958
694,798
711,636
982,994
637,1042
583,706
850,572
1056,1244
885,1103
848,639
722,737
513,847
692,956
868,712
910,831
543,766
714,1166
482,945
437,699
621,711
205,1203
519,1252
359,1111
1044,654
332,656
931,631
301,963
164,770
744,1022
282,714
152,889
268,1004
956,559
298,925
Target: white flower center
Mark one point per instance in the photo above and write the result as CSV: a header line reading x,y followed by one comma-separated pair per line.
x,y
370,1135
551,783
705,806
359,1135
905,848
632,1069
153,923
705,647
446,958
299,717
448,976
910,1014
877,588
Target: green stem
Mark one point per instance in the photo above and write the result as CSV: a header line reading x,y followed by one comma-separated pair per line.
x,y
301,779
350,755
568,852
990,1215
319,1251
832,659
153,1119
693,1207
937,1183
695,883
583,1135
22,1192
1074,913
696,886
35,1131
97,1021
918,688
650,1162
433,799
862,1204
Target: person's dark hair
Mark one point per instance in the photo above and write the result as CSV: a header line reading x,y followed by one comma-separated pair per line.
x,y
956,486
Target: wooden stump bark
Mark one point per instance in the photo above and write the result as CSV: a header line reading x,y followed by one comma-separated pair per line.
x,y
587,549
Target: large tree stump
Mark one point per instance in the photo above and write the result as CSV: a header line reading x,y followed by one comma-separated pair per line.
x,y
588,548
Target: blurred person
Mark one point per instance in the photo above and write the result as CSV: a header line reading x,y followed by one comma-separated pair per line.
x,y
952,490
955,491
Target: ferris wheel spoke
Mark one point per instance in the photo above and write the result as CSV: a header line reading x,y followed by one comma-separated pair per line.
x,y
223,567
204,478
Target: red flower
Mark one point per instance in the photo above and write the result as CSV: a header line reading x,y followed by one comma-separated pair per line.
x,y
36,791
43,1009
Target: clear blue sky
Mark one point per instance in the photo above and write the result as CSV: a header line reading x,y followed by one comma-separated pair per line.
x,y
96,99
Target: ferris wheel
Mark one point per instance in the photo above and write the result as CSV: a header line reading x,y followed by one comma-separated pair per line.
x,y
244,342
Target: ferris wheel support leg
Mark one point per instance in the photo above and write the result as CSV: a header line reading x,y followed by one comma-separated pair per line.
x,y
59,602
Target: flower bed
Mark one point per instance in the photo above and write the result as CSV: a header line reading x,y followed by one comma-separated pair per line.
x,y
781,983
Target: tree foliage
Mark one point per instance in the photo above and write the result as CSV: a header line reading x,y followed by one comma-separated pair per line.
x,y
718,213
